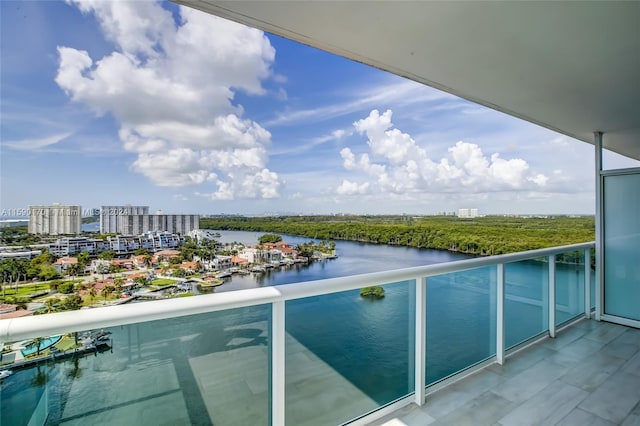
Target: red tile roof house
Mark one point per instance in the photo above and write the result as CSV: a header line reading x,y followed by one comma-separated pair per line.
x,y
281,245
63,263
163,255
190,267
123,263
138,261
239,261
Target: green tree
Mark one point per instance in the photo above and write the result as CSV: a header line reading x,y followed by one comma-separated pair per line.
x,y
74,269
66,287
269,238
83,260
72,302
92,294
37,342
51,304
107,255
141,252
48,272
141,281
107,291
103,269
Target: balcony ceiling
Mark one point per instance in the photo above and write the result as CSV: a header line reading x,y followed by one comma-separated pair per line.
x,y
573,67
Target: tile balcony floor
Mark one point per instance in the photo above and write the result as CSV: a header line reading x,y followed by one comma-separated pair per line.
x,y
588,375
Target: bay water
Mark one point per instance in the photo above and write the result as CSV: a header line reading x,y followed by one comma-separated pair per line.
x,y
369,343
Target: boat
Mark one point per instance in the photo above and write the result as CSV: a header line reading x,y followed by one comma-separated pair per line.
x,y
5,373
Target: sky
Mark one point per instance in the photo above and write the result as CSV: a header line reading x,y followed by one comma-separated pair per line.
x,y
149,103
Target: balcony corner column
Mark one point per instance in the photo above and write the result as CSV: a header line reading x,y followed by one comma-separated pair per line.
x,y
277,363
500,313
599,226
552,295
420,340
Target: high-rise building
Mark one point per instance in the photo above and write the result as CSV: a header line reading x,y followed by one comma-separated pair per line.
x,y
467,213
111,217
136,220
55,220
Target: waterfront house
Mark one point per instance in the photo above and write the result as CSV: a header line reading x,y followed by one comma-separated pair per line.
x,y
239,262
165,255
190,267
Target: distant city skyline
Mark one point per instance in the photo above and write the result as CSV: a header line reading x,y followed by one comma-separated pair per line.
x,y
191,114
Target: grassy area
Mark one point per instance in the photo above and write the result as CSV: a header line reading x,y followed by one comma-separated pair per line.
x,y
187,294
24,290
66,343
213,283
163,282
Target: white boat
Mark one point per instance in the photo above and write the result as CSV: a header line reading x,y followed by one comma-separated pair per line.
x,y
5,373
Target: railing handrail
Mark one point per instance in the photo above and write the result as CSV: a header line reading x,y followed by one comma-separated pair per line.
x,y
66,322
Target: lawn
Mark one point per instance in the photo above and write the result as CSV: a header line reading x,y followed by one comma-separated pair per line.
x,y
163,282
24,290
66,343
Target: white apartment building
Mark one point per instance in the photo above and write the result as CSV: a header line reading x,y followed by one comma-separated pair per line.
x,y
173,223
73,246
19,254
152,241
55,220
111,217
136,220
467,213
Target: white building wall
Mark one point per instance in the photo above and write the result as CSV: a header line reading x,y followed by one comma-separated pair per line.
x,y
55,220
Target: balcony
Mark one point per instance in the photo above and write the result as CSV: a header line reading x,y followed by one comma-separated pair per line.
x,y
587,375
317,353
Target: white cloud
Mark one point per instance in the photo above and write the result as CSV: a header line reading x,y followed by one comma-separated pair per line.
x,y
36,144
171,88
398,165
396,90
352,188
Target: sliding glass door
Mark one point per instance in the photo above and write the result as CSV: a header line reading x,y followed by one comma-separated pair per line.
x,y
621,244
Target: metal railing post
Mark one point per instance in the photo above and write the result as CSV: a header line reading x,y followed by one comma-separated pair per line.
x,y
420,339
277,363
587,283
500,313
600,230
552,295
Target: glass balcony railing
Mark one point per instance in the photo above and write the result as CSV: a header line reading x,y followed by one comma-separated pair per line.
x,y
311,353
459,338
526,300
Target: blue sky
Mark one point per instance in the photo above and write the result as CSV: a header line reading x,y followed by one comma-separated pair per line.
x,y
108,103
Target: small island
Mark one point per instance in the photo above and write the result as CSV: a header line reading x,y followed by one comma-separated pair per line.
x,y
372,292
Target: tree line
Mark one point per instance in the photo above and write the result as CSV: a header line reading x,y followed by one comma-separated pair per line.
x,y
480,236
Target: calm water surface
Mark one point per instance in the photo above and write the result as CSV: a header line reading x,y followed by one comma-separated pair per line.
x,y
369,343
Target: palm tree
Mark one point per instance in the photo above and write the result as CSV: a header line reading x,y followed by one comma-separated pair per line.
x,y
38,342
51,304
92,293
